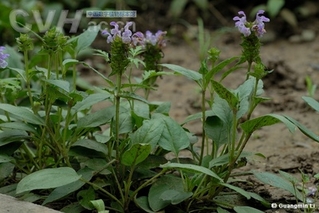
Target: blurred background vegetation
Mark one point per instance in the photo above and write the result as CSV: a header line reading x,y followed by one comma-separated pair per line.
x,y
175,16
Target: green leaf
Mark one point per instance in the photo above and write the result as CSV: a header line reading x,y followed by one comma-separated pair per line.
x,y
279,182
91,144
65,190
164,185
246,209
149,133
5,158
173,136
237,189
69,62
220,210
85,196
97,118
23,114
5,170
10,136
17,125
217,68
47,178
303,129
136,154
85,39
183,71
163,108
311,102
244,92
217,130
191,168
274,6
251,125
21,72
225,94
177,7
64,86
90,100
142,202
197,116
99,206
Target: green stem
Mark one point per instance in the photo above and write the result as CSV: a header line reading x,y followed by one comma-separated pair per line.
x,y
26,67
203,127
252,104
103,190
117,116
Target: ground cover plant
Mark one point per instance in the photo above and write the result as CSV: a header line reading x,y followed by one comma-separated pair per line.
x,y
53,147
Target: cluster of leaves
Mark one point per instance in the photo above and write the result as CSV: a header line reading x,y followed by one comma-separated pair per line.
x,y
54,147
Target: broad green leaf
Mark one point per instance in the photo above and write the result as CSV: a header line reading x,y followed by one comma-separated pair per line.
x,y
244,92
217,130
142,202
47,178
191,168
174,196
311,102
225,94
22,114
303,129
183,71
136,154
61,84
274,6
5,158
97,118
91,144
251,125
17,125
142,109
173,137
90,100
85,39
279,182
125,122
65,190
149,133
166,183
10,136
222,110
163,108
6,170
246,209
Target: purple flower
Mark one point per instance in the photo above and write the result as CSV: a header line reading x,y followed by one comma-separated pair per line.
x,y
125,33
3,57
155,39
138,39
246,27
241,23
259,23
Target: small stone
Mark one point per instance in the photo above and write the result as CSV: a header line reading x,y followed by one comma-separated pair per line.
x,y
308,35
295,39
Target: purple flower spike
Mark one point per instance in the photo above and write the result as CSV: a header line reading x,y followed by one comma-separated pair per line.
x,y
241,23
259,23
3,57
126,35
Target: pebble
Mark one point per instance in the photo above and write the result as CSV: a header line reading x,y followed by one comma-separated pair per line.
x,y
305,36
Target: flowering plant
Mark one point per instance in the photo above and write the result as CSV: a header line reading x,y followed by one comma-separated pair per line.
x,y
51,138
